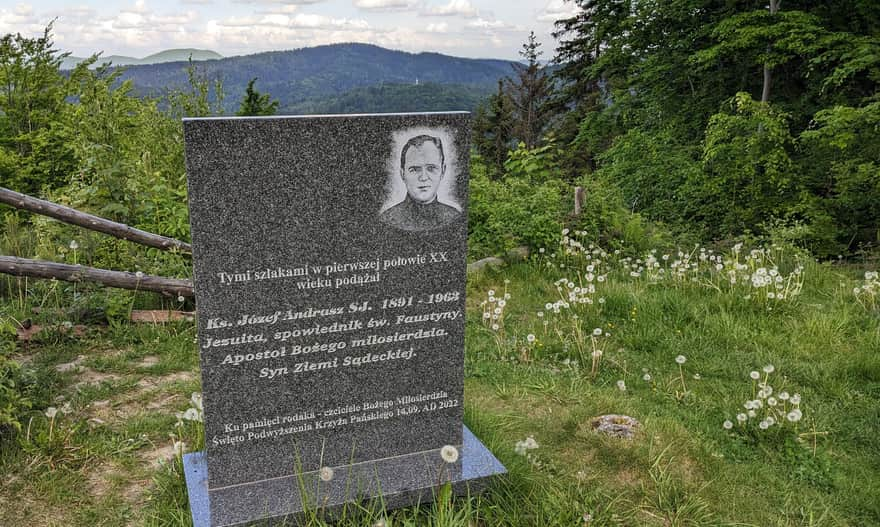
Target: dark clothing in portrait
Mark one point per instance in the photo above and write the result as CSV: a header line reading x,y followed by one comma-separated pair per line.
x,y
410,215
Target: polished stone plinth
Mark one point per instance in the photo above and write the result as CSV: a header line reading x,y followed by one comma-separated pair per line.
x,y
395,482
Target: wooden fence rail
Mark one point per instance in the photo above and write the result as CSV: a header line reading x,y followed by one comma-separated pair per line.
x,y
88,221
79,273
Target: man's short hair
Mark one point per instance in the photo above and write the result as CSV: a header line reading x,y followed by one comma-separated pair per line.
x,y
418,141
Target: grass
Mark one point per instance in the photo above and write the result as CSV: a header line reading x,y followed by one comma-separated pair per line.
x,y
681,469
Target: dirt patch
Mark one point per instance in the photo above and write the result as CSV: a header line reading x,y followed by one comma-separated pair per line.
x,y
148,361
157,456
70,366
88,376
155,382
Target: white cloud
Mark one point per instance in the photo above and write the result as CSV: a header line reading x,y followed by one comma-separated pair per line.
x,y
453,8
442,27
382,5
558,10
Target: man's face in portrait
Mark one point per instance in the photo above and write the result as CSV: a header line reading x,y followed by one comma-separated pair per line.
x,y
422,171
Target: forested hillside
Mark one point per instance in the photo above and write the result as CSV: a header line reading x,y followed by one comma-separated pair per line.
x,y
315,77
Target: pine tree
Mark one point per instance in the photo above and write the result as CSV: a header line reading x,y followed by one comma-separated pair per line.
x,y
256,103
492,130
529,94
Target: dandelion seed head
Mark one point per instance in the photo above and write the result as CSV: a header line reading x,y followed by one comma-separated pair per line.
x,y
681,359
326,473
449,454
727,424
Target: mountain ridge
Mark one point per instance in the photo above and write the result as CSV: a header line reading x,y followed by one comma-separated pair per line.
x,y
167,55
306,75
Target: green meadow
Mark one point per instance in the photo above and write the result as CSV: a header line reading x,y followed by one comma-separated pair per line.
x,y
671,339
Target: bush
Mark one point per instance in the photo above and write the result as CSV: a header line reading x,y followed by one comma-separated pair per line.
x,y
511,212
13,403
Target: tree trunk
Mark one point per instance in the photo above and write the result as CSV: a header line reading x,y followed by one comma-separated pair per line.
x,y
78,273
88,221
765,92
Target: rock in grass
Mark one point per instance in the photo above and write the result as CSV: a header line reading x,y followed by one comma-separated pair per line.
x,y
614,425
484,263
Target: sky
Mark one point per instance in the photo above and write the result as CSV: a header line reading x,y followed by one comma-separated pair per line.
x,y
464,28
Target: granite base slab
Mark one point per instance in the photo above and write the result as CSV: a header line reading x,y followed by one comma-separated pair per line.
x,y
397,482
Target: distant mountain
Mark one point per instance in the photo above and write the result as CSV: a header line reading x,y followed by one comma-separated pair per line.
x,y
169,55
396,98
314,80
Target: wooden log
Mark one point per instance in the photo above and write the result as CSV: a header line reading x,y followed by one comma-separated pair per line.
x,y
579,196
88,221
79,273
155,316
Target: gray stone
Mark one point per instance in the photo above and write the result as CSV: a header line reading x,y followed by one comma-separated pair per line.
x,y
614,425
479,265
330,306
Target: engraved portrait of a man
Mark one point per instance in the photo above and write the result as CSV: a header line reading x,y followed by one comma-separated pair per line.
x,y
423,167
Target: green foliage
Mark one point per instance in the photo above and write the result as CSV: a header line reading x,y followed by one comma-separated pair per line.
x,y
645,80
652,171
525,207
256,103
748,175
13,401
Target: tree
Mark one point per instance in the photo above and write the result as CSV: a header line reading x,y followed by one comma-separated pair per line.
x,y
492,130
529,93
34,150
256,103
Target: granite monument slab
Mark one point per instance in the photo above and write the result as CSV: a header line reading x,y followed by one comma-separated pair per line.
x,y
329,271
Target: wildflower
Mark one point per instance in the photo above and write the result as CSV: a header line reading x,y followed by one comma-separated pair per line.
x,y
530,338
727,424
742,418
769,368
139,274
697,377
796,399
771,420
66,409
548,306
771,401
491,292
73,245
180,298
794,416
783,396
681,359
646,377
487,315
755,375
381,522
764,425
597,332
51,412
541,250
621,385
326,473
502,303
196,399
752,414
495,327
